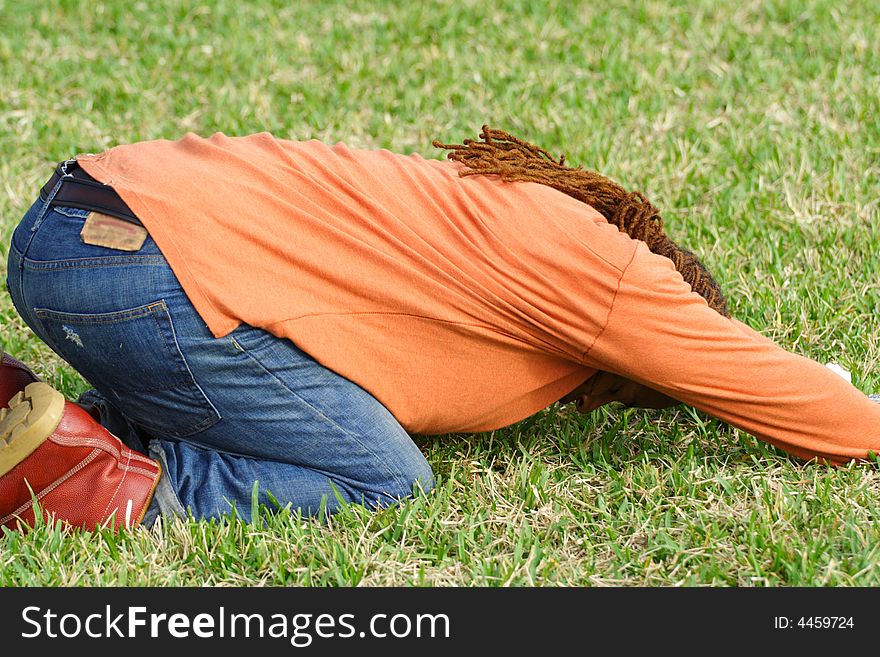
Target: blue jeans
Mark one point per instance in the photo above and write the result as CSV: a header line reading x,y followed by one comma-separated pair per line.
x,y
219,413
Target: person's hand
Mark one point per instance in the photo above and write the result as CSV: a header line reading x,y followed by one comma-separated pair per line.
x,y
603,388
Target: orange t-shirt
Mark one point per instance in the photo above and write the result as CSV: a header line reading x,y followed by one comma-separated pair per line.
x,y
461,303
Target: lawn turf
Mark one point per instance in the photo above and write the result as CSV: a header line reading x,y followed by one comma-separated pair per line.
x,y
752,125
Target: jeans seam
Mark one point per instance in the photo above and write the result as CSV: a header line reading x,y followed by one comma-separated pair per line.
x,y
92,263
166,497
207,422
192,431
73,213
44,211
394,476
101,318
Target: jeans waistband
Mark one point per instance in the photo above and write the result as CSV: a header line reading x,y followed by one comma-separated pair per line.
x,y
79,190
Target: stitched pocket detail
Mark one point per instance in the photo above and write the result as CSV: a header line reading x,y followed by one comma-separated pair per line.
x,y
132,356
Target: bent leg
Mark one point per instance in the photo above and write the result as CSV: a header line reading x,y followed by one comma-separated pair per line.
x,y
297,428
663,335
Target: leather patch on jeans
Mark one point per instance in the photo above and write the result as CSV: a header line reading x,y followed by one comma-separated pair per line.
x,y
104,230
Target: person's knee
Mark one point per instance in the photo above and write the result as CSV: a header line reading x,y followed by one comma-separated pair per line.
x,y
422,477
417,477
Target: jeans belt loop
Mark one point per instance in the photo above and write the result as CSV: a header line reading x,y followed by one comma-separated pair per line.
x,y
45,209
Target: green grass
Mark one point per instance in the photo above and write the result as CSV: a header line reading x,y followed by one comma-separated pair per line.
x,y
753,124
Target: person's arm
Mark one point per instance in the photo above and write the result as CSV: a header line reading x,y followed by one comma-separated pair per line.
x,y
661,334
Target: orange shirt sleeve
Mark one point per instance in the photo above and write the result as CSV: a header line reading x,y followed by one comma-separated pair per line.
x,y
662,334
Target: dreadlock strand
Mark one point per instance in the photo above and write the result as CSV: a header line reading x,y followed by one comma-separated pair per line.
x,y
514,160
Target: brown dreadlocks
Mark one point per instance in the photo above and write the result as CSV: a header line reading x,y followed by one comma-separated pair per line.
x,y
502,154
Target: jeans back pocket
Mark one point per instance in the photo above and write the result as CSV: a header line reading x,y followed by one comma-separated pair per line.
x,y
132,356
